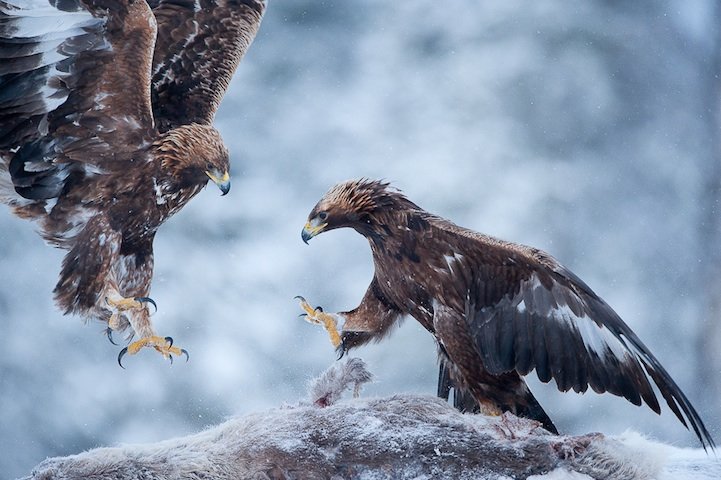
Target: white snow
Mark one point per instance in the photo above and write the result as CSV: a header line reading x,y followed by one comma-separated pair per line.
x,y
403,436
581,130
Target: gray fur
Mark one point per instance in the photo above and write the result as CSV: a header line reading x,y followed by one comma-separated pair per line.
x,y
400,437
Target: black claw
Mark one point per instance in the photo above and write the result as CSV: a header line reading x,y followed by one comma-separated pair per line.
x,y
147,300
319,309
120,357
170,342
171,359
298,297
304,314
109,333
185,352
340,350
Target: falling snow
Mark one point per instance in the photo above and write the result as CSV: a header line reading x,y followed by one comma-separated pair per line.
x,y
583,130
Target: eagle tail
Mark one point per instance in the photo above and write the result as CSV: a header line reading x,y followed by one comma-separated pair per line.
x,y
464,401
444,381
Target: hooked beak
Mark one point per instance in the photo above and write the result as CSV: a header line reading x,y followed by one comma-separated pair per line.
x,y
222,181
312,228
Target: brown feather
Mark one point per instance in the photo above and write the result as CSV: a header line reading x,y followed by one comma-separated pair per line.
x,y
190,78
80,148
497,309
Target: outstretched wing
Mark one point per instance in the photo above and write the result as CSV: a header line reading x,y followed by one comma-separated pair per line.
x,y
551,321
74,89
199,46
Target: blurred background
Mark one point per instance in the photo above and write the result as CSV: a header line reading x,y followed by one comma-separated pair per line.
x,y
588,129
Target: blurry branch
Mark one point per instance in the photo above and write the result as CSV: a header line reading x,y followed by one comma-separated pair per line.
x,y
404,436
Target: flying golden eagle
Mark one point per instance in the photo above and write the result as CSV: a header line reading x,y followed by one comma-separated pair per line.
x,y
497,310
106,109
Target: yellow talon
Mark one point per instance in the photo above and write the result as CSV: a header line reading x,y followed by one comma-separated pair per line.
x,y
316,315
164,345
124,303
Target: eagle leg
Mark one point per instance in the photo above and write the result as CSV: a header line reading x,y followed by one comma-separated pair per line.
x,y
318,316
119,304
123,303
164,345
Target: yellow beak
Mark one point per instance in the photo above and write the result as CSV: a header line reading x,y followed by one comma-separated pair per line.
x,y
311,229
223,182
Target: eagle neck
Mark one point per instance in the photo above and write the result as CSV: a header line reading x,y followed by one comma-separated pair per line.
x,y
393,230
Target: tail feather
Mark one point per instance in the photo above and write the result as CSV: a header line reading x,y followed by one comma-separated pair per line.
x,y
444,381
464,401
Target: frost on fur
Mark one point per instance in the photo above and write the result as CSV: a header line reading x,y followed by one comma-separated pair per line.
x,y
398,437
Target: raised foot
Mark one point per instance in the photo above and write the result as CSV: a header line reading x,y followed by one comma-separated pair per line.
x,y
164,345
317,316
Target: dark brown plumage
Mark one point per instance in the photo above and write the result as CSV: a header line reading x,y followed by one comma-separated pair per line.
x,y
497,309
105,132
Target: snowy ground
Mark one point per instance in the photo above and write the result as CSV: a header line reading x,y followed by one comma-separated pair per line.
x,y
397,437
586,130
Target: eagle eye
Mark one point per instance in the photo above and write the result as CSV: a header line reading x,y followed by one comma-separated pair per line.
x,y
323,216
209,166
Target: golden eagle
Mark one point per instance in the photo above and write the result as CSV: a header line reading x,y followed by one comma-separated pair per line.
x,y
106,109
497,310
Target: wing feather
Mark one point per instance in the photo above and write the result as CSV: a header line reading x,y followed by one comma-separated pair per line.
x,y
552,321
200,44
75,89
540,351
523,355
505,340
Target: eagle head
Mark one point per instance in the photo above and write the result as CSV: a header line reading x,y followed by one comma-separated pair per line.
x,y
360,204
194,153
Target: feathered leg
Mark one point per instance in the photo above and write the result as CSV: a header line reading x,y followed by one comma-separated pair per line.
x,y
107,277
133,269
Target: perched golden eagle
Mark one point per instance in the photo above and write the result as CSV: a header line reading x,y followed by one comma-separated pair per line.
x,y
105,132
497,310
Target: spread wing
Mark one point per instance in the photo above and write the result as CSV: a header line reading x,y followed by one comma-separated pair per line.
x,y
541,316
74,89
199,46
